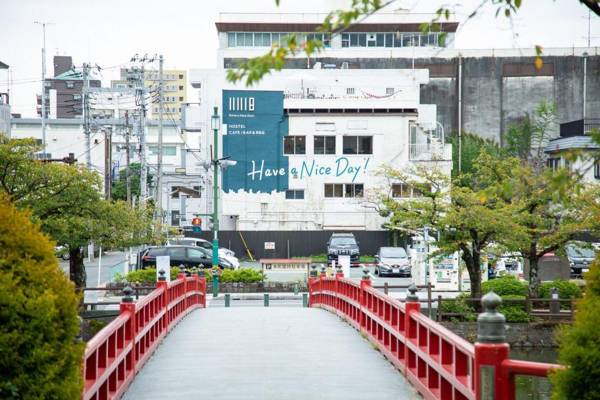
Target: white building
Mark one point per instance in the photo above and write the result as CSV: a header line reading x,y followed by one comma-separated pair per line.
x,y
309,143
575,137
182,179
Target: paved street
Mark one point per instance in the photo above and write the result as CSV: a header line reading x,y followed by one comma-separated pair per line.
x,y
267,353
111,261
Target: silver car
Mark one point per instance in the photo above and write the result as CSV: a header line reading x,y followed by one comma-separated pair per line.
x,y
392,261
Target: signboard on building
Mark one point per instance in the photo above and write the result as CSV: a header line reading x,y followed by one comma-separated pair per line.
x,y
256,126
269,245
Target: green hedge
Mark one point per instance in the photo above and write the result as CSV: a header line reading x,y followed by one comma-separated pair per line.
x,y
506,285
148,276
566,289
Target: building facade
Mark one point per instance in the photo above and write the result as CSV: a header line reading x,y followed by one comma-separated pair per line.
x,y
308,145
64,91
4,107
174,92
183,183
476,91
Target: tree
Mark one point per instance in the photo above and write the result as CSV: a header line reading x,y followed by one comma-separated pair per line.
x,y
39,356
579,346
66,200
119,188
550,208
463,219
471,146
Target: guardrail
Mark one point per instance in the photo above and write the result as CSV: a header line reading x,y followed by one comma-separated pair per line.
x,y
438,363
114,356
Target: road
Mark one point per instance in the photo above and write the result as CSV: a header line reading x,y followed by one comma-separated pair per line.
x,y
111,261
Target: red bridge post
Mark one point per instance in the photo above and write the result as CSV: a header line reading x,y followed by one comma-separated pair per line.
x,y
312,278
202,283
127,306
491,350
164,302
411,305
365,283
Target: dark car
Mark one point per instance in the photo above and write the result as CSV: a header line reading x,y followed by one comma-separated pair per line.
x,y
392,261
343,244
190,256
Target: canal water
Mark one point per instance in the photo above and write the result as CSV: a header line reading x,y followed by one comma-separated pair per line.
x,y
534,388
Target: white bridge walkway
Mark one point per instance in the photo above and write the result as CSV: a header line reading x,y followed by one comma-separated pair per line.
x,y
267,353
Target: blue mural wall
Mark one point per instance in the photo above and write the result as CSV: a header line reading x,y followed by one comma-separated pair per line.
x,y
256,126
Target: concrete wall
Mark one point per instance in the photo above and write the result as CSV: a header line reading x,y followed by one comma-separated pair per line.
x,y
496,90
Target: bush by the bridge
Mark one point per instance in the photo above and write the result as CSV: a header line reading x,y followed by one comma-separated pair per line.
x,y
148,276
579,347
40,357
566,289
506,285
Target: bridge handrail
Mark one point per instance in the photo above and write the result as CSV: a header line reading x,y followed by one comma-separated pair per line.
x,y
439,363
115,354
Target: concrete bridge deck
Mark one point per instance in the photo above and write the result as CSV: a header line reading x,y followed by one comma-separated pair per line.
x,y
267,353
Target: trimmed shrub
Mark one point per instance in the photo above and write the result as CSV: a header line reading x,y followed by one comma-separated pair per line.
x,y
579,346
566,289
459,306
40,357
241,275
506,285
146,277
514,312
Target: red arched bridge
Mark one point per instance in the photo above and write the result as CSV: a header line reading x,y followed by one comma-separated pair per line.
x,y
296,352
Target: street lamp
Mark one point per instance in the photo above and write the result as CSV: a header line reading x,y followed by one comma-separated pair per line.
x,y
215,124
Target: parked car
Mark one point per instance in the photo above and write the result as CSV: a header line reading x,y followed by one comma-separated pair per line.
x,y
190,256
205,244
580,258
392,261
62,252
343,244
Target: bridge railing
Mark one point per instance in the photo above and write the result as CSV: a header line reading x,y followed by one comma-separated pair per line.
x,y
439,363
116,353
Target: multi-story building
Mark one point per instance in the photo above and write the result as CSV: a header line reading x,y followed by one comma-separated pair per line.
x,y
4,108
64,91
182,179
480,91
174,91
576,140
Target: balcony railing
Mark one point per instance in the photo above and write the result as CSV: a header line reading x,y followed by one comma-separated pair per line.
x,y
425,151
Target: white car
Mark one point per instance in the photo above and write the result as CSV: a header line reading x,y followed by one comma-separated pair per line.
x,y
205,244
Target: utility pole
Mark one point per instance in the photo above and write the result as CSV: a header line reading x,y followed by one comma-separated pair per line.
x,y
43,24
86,114
107,162
215,161
141,92
159,193
127,158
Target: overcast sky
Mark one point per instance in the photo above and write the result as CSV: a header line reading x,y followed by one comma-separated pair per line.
x,y
109,32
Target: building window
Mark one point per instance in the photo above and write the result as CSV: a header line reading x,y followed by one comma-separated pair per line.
x,y
416,192
324,145
76,96
389,91
333,190
358,144
180,98
345,40
180,87
180,76
400,190
174,217
294,145
294,194
70,85
167,150
350,91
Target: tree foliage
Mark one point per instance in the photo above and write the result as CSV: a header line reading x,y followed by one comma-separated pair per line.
x,y
39,356
67,202
579,346
119,187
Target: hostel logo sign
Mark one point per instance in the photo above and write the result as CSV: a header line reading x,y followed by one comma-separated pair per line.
x,y
256,126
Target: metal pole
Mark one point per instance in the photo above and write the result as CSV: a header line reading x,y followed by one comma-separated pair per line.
x,y
459,114
159,193
107,163
143,172
86,115
44,115
215,252
127,158
584,83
